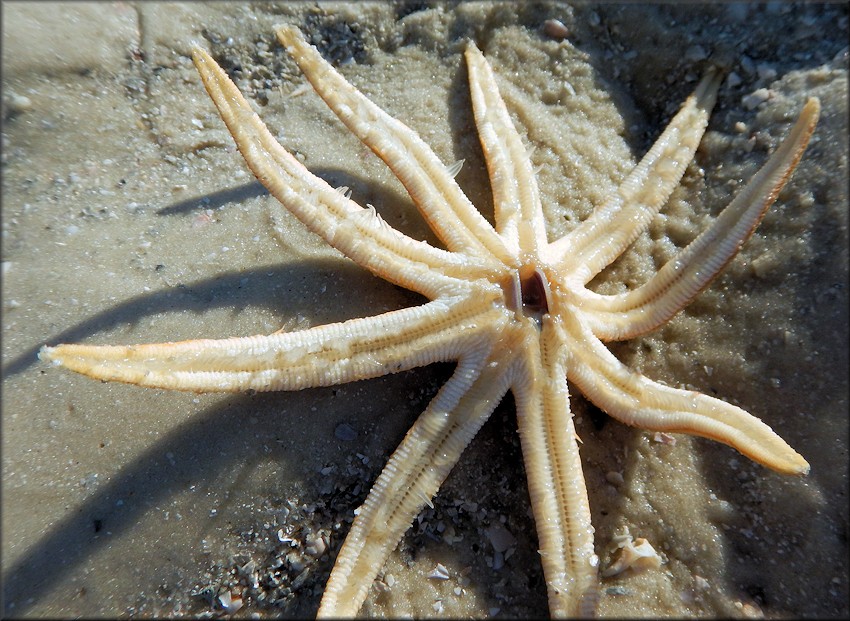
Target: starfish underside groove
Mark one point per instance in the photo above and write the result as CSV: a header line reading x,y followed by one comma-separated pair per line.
x,y
510,307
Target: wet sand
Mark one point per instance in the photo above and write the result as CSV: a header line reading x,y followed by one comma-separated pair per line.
x,y
129,217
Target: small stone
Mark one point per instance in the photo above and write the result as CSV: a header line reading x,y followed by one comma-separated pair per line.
x,y
500,538
555,29
345,432
16,104
615,478
498,561
756,98
765,72
695,53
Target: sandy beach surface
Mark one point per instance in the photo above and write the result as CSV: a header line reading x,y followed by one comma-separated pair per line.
x,y
129,217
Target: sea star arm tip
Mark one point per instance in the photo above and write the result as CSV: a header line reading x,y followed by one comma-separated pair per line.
x,y
446,209
626,315
640,196
412,477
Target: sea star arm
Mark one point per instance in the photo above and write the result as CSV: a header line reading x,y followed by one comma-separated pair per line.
x,y
636,400
516,200
358,233
577,255
321,356
553,469
449,213
624,316
415,472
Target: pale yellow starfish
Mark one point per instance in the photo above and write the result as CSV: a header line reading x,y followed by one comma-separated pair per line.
x,y
509,306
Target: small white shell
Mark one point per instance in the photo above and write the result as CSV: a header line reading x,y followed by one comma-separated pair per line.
x,y
638,555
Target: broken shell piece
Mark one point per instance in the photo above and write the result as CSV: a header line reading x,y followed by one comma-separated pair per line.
x,y
384,583
230,603
284,538
622,539
664,438
638,555
315,545
439,573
